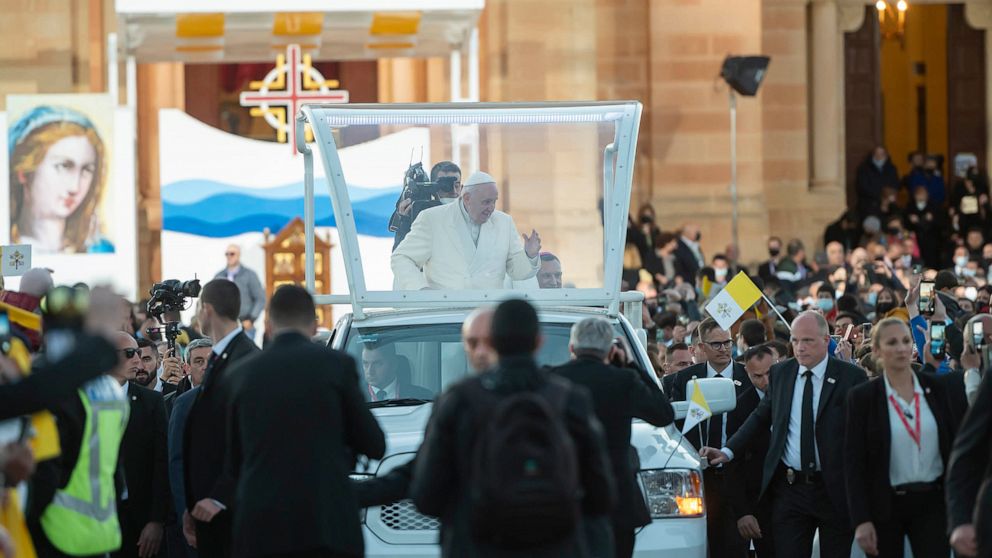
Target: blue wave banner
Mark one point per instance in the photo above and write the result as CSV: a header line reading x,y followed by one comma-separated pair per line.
x,y
217,210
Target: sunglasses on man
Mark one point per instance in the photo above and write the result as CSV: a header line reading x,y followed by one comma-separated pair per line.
x,y
129,353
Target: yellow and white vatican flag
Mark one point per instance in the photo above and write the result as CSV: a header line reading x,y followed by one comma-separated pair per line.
x,y
728,306
699,409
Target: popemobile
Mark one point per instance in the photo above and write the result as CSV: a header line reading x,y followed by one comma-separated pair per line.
x,y
562,171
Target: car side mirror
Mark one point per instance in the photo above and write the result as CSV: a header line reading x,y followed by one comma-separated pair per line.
x,y
720,395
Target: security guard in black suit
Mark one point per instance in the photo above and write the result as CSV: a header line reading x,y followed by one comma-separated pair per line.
x,y
205,437
721,528
804,467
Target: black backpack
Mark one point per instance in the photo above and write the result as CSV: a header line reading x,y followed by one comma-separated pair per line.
x,y
525,479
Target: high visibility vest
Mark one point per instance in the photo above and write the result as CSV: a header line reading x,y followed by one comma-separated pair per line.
x,y
82,518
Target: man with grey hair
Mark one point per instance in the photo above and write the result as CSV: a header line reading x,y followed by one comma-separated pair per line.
x,y
465,245
619,395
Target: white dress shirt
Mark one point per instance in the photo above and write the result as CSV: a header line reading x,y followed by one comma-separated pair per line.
x,y
727,372
221,345
473,228
761,393
793,455
907,461
392,391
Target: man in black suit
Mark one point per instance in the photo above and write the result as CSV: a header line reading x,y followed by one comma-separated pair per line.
x,y
753,516
207,522
804,467
688,255
716,344
969,489
144,504
289,476
618,395
387,375
767,270
452,433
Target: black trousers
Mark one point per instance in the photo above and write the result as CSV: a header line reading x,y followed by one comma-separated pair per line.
x,y
722,537
213,540
922,517
623,542
800,509
765,546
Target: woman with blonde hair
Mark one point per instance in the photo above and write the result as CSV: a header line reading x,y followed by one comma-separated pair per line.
x,y
900,429
57,178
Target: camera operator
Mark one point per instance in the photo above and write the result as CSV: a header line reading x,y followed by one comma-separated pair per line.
x,y
448,179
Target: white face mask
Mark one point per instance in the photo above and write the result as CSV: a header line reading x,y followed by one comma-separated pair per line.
x,y
921,205
961,261
446,201
720,272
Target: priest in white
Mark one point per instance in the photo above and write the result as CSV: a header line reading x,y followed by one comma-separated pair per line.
x,y
468,244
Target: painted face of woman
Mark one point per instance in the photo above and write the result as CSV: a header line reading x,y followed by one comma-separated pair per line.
x,y
60,183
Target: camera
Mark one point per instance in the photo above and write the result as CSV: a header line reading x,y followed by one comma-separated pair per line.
x,y
172,295
418,188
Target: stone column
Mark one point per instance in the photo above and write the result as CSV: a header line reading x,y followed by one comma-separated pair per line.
x,y
826,89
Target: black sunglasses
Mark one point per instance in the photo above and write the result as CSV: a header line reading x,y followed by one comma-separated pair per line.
x,y
129,352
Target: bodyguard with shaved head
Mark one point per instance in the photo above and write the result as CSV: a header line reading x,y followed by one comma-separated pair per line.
x,y
465,245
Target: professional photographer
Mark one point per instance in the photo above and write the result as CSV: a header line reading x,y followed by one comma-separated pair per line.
x,y
444,186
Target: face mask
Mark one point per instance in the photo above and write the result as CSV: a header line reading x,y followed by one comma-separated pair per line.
x,y
921,205
961,261
878,164
446,201
893,230
825,304
968,272
774,252
872,298
971,293
720,273
907,261
884,307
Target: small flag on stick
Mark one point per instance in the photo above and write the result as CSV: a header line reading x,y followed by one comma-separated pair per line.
x,y
699,409
728,306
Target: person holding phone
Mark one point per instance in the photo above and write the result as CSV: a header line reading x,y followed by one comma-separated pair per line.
x,y
899,433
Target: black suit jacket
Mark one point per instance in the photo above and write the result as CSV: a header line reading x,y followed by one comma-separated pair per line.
x,y
144,457
868,442
969,474
205,435
774,411
291,440
666,384
619,395
745,489
741,383
686,264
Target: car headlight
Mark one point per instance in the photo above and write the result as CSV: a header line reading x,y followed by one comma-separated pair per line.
x,y
673,492
361,477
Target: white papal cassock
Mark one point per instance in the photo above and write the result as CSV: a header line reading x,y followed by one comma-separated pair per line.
x,y
441,245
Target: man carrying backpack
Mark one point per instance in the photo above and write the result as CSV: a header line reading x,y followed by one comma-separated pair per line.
x,y
618,395
523,449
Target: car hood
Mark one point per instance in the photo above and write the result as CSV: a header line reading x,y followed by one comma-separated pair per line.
x,y
656,447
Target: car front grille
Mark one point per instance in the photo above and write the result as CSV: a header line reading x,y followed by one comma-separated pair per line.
x,y
403,516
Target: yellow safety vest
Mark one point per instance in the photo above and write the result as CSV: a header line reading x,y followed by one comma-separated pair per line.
x,y
82,518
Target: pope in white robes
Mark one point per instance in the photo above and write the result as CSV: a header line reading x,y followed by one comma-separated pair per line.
x,y
467,244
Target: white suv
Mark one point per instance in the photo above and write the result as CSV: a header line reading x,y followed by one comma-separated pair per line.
x,y
563,169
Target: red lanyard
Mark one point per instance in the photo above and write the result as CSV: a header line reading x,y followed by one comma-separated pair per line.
x,y
915,435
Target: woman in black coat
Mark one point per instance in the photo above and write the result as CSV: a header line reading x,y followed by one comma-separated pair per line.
x,y
900,429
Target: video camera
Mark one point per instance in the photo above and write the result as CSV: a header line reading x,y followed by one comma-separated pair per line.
x,y
418,187
171,295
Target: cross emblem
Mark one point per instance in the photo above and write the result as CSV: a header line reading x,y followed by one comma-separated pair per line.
x,y
294,82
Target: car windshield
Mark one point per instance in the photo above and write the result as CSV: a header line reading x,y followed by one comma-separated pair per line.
x,y
417,362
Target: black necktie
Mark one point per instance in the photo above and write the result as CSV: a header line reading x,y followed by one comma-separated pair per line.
x,y
381,395
807,444
714,436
